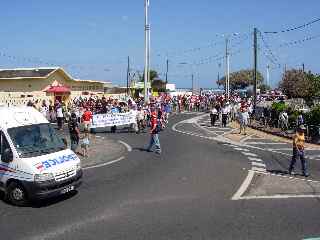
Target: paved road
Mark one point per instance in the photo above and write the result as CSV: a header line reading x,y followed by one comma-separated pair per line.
x,y
276,155
194,190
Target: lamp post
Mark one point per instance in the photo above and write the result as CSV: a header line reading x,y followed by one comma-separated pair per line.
x,y
147,46
227,62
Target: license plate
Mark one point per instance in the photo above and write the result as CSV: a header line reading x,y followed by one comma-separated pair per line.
x,y
67,189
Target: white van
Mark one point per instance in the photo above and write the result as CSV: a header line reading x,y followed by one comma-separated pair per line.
x,y
34,162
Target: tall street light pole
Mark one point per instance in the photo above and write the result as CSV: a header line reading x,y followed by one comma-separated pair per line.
x,y
167,63
255,55
268,75
128,75
192,82
146,38
227,88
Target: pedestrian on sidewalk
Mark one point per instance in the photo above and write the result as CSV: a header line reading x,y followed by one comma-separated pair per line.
x,y
298,151
154,131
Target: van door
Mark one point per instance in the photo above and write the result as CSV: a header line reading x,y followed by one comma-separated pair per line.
x,y
6,157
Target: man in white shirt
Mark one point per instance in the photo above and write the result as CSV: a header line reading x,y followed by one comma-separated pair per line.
x,y
213,116
59,115
225,112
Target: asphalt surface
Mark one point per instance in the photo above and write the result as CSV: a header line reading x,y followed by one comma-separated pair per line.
x,y
184,193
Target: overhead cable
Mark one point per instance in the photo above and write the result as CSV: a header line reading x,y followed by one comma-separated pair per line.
x,y
294,28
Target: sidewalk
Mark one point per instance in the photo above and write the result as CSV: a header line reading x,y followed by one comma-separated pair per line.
x,y
102,149
266,133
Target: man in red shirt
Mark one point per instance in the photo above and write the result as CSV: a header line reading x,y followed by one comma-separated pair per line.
x,y
86,118
154,138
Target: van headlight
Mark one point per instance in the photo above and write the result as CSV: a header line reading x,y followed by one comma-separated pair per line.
x,y
43,177
78,167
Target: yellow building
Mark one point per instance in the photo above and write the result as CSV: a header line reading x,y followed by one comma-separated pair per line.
x,y
18,86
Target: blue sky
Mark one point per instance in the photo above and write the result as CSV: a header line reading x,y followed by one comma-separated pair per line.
x,y
92,39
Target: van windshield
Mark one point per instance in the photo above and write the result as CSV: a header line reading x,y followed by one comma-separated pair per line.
x,y
35,140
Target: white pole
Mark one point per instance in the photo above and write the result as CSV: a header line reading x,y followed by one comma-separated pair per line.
x,y
227,71
268,75
146,51
149,46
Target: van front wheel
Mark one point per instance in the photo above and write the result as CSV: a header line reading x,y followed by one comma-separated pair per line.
x,y
16,194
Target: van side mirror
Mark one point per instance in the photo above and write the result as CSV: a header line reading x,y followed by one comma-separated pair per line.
x,y
7,155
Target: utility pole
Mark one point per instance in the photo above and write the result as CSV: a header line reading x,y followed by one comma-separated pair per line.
x,y
268,75
146,38
227,88
303,67
167,70
255,39
192,82
128,75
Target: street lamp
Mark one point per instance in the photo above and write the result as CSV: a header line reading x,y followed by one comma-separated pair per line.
x,y
227,87
147,50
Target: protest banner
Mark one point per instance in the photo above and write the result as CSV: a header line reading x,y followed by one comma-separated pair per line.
x,y
113,119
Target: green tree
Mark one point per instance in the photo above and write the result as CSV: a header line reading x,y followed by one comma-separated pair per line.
x,y
153,75
241,79
315,83
264,88
299,84
158,85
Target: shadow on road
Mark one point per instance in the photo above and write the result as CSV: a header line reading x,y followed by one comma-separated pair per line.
x,y
43,203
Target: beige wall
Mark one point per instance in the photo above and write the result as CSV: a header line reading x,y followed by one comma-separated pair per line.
x,y
11,90
38,84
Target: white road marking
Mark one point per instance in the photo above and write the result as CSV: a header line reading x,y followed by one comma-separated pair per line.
x,y
244,186
104,164
257,169
267,143
257,164
246,138
280,149
129,148
278,196
291,177
241,149
255,159
249,154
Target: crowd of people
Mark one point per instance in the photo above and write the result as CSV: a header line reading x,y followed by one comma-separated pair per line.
x,y
80,111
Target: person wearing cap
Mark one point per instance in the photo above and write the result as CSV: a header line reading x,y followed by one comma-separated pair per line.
x,y
298,151
154,138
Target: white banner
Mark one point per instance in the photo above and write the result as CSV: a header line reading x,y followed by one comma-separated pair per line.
x,y
113,119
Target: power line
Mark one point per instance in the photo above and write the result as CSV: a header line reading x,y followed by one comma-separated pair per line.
x,y
294,28
299,41
200,48
270,54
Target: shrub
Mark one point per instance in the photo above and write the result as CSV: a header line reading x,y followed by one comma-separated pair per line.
x,y
313,117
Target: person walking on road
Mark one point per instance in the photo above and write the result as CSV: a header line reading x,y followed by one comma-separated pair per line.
x,y
59,114
154,137
87,118
298,151
74,132
244,117
213,116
